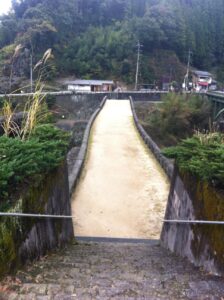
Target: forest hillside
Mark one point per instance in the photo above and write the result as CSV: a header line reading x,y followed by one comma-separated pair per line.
x,y
98,38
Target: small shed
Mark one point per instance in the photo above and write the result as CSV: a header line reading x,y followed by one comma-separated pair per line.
x,y
90,85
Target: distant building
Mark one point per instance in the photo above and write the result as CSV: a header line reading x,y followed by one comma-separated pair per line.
x,y
201,81
213,86
90,85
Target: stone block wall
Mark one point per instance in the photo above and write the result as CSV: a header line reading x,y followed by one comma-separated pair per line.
x,y
202,244
22,238
80,106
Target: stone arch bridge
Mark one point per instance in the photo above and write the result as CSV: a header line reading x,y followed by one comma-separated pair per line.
x,y
119,203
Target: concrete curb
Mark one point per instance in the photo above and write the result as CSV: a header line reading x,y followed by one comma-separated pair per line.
x,y
163,161
79,162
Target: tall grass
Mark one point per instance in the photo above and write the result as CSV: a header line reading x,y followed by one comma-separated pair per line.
x,y
34,110
9,125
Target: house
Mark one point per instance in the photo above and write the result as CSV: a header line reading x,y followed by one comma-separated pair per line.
x,y
90,85
201,80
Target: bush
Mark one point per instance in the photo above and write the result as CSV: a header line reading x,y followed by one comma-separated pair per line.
x,y
177,118
202,155
30,160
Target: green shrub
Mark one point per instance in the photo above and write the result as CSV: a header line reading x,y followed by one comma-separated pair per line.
x,y
202,155
30,160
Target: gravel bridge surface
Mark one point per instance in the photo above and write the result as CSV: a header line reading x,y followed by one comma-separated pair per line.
x,y
123,190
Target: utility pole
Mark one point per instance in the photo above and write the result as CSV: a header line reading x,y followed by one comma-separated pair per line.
x,y
186,79
137,65
188,62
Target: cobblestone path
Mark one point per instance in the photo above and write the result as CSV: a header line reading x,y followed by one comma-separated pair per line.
x,y
112,271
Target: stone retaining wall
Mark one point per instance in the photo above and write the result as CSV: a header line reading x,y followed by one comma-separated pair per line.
x,y
164,162
79,161
79,106
23,239
202,244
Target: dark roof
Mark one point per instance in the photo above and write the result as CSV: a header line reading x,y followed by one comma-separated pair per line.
x,y
202,73
89,82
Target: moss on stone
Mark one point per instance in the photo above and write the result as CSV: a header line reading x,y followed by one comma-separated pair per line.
x,y
39,200
208,204
7,247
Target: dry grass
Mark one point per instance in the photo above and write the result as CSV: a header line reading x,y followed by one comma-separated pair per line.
x,y
9,125
35,110
209,137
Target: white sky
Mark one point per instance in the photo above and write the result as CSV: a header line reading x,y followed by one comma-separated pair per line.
x,y
4,6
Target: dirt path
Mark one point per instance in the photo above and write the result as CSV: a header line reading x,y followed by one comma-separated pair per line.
x,y
123,190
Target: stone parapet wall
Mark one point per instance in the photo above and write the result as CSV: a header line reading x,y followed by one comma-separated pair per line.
x,y
202,244
23,239
166,164
79,161
137,95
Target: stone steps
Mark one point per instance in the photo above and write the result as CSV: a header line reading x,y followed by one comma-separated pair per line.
x,y
117,240
112,270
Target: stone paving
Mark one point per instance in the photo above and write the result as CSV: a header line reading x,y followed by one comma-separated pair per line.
x,y
112,271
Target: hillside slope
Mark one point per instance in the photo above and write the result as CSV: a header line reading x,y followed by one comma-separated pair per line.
x,y
97,38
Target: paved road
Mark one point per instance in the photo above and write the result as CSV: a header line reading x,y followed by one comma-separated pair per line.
x,y
123,190
92,271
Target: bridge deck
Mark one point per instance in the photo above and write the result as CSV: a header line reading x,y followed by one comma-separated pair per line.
x,y
122,191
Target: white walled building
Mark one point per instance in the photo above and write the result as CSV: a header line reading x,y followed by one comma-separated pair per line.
x,y
90,85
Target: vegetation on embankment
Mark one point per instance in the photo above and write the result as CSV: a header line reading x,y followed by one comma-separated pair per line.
x,y
176,118
27,162
97,38
202,156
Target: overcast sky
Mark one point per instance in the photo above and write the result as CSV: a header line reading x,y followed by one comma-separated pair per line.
x,y
4,6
